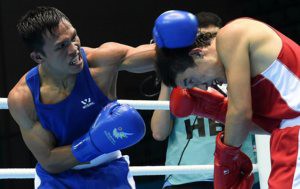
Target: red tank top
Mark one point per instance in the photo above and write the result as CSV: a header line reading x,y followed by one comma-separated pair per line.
x,y
276,91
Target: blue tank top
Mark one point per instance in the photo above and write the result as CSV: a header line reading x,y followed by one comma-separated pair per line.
x,y
72,117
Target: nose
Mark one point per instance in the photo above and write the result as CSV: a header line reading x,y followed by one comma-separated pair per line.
x,y
73,48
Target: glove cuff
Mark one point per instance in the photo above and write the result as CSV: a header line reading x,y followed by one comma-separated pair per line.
x,y
84,150
224,151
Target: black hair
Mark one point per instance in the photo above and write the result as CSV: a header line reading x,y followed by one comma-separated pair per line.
x,y
206,19
170,62
36,22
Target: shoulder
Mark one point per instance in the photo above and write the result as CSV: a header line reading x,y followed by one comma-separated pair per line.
x,y
245,31
235,29
244,28
242,23
108,46
20,93
20,103
110,53
236,35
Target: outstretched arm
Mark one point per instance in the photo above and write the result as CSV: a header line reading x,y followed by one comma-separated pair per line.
x,y
119,57
140,59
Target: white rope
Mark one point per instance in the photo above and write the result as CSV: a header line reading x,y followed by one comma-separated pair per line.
x,y
28,173
147,104
138,104
167,170
3,103
152,170
19,173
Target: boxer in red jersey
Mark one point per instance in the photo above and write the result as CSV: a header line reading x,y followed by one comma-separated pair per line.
x,y
262,69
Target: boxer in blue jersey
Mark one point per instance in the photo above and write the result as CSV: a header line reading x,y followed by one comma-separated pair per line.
x,y
66,108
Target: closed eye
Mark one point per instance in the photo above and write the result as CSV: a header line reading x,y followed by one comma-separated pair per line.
x,y
188,83
64,44
74,36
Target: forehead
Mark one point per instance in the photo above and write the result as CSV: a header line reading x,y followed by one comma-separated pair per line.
x,y
63,29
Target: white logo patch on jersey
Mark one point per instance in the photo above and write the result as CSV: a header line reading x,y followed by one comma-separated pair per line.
x,y
87,103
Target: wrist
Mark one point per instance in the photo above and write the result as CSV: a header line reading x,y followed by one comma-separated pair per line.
x,y
164,92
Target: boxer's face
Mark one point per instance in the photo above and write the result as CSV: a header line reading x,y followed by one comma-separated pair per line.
x,y
201,76
62,50
208,70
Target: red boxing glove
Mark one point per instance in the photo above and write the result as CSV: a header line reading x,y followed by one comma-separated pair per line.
x,y
210,104
232,168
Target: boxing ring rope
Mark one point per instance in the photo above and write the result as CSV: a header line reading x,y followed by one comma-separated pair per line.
x,y
28,173
263,165
3,103
137,104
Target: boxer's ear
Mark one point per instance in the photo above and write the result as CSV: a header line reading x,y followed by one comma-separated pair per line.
x,y
37,57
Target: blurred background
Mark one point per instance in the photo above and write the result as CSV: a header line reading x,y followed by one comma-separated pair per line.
x,y
128,22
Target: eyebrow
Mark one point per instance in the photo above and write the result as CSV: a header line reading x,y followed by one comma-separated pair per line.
x,y
64,40
59,43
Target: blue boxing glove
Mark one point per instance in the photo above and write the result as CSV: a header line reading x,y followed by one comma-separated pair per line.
x,y
116,127
175,29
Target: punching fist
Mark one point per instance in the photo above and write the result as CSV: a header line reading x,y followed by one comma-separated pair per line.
x,y
210,104
116,127
175,29
232,168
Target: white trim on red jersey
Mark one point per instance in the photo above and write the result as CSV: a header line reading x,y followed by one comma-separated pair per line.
x,y
286,82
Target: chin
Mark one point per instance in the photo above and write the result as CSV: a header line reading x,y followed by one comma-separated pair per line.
x,y
76,69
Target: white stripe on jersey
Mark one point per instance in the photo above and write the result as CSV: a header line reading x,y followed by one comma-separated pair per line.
x,y
290,122
286,82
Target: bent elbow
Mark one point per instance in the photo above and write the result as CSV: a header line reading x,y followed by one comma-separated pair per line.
x,y
52,168
160,128
159,136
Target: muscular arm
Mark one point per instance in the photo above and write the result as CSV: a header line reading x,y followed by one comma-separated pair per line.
x,y
140,59
122,57
161,125
233,48
39,141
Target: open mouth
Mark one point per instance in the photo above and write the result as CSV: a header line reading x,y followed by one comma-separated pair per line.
x,y
213,84
76,60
